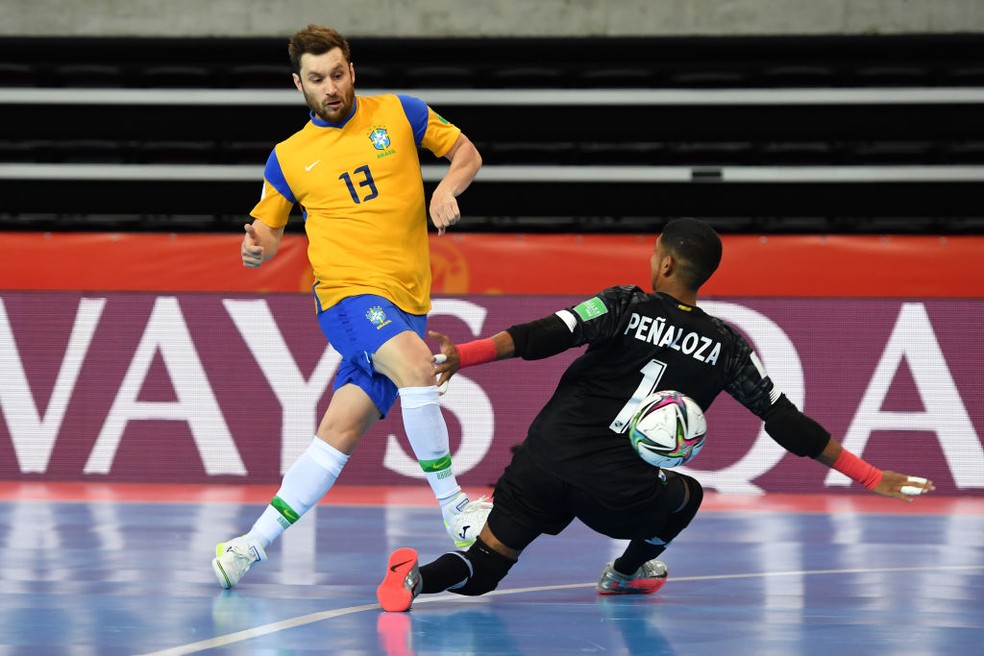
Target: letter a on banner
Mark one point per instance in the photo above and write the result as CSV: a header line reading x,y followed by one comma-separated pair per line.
x,y
167,333
913,340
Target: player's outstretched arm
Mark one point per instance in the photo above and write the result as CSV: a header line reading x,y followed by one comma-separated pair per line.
x,y
498,347
534,340
886,483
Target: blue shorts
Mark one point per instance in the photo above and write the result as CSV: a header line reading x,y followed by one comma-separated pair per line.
x,y
356,327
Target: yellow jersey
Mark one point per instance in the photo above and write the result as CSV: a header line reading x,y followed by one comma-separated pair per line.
x,y
362,197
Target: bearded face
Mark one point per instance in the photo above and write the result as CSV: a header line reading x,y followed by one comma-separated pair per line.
x,y
328,84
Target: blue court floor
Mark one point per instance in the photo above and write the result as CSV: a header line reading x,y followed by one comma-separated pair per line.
x,y
121,574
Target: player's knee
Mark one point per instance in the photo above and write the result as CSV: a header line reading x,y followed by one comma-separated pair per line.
x,y
686,495
423,374
406,360
413,373
696,494
488,568
692,497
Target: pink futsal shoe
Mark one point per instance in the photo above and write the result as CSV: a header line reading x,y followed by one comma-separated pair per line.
x,y
647,579
402,583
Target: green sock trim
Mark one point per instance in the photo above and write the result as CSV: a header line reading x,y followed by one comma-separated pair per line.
x,y
288,513
431,466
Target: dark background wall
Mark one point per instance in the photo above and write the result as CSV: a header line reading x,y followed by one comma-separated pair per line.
x,y
762,116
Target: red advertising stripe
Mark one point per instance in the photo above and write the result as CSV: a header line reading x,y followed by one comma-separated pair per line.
x,y
813,266
785,265
147,262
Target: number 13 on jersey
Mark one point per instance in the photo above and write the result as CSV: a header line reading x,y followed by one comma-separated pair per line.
x,y
363,178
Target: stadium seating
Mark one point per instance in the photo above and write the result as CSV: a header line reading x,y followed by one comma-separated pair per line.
x,y
693,105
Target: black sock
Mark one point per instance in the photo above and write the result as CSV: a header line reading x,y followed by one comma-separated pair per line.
x,y
439,575
637,553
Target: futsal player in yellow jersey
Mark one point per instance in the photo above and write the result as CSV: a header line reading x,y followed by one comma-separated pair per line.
x,y
354,170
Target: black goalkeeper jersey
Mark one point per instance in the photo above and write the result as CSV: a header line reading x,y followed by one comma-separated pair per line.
x,y
638,343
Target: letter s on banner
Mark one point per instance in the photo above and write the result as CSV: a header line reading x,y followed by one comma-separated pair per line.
x,y
781,361
466,399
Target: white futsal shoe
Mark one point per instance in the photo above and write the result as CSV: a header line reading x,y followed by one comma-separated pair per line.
x,y
464,519
234,558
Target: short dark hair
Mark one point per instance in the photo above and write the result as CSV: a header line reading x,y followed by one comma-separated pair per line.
x,y
696,247
316,40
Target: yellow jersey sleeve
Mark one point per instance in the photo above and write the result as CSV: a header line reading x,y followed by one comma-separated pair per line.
x,y
440,135
276,198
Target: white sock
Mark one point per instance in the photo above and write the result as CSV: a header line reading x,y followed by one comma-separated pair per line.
x,y
428,435
307,480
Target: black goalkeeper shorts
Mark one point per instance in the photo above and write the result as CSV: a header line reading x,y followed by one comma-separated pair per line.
x,y
530,501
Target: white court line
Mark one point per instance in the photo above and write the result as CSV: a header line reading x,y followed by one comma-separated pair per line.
x,y
273,627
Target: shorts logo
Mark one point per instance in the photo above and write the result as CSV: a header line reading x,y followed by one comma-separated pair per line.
x,y
379,138
377,317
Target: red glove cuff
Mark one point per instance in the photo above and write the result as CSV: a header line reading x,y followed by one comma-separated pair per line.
x,y
476,352
857,469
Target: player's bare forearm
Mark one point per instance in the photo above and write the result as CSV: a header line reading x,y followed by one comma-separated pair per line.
x,y
830,452
465,163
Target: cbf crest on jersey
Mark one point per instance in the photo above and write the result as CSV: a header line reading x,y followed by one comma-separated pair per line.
x,y
379,138
377,317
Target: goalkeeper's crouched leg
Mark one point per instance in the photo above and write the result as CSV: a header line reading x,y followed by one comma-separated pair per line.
x,y
691,495
488,567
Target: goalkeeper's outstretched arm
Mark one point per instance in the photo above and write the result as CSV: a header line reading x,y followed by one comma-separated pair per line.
x,y
886,483
534,340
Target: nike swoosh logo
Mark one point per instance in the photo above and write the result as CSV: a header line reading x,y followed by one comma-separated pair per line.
x,y
393,568
312,165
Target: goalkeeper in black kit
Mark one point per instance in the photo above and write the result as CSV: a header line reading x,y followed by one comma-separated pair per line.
x,y
577,461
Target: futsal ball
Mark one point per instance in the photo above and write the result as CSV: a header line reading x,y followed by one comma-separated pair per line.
x,y
668,429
